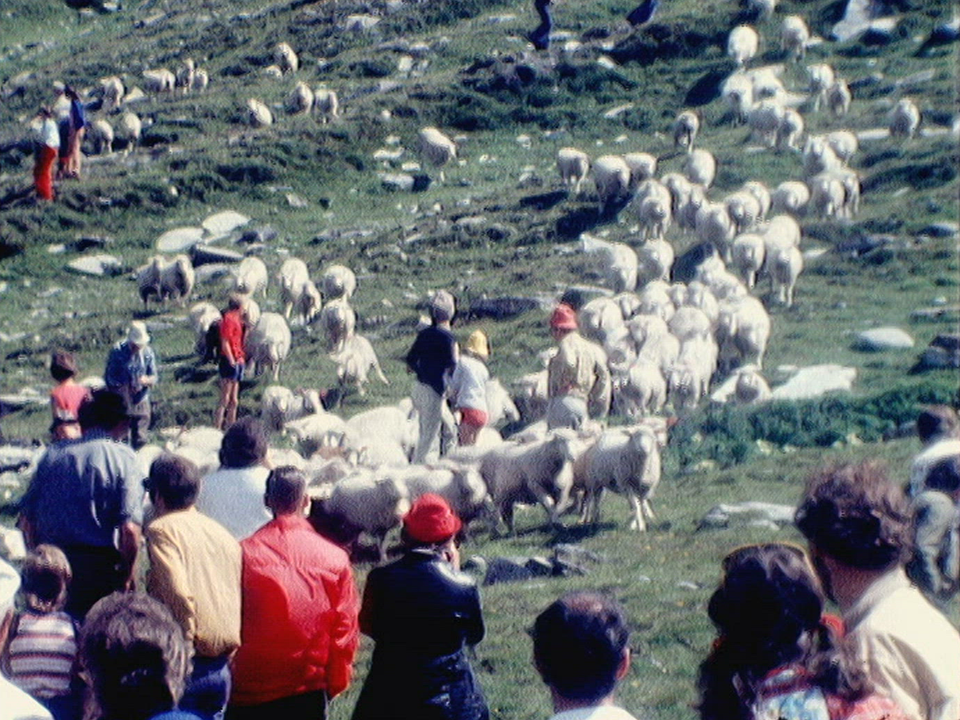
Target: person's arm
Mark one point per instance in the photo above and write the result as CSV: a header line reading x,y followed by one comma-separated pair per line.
x,y
129,547
561,372
344,635
368,607
150,375
602,388
115,375
167,579
475,628
225,345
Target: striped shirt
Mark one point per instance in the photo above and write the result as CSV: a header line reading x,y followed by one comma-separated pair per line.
x,y
42,654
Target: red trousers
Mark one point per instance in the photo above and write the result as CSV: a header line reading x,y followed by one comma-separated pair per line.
x,y
43,172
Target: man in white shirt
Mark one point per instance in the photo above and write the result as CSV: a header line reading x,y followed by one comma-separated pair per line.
x,y
580,650
857,523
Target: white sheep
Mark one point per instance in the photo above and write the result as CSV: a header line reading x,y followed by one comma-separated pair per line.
x,y
743,208
700,296
764,120
791,196
186,74
539,471
530,395
616,261
737,93
280,405
316,431
641,391
749,252
767,84
844,144
762,9
460,485
268,344
201,79
780,230
326,104
794,37
112,91
643,166
573,166
101,134
285,58
300,100
338,281
202,316
743,44
818,156
652,205
250,277
627,461
690,322
396,424
258,115
827,195
129,129
721,282
839,98
297,290
743,331
790,130
611,176
822,79
786,264
161,80
655,258
904,119
165,280
762,195
658,347
599,318
655,300
715,227
338,323
355,359
685,129
698,354
436,149
700,168
368,503
679,188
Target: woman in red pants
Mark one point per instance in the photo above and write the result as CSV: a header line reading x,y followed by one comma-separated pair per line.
x,y
47,151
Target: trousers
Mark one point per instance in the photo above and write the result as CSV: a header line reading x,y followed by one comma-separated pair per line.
x,y
437,426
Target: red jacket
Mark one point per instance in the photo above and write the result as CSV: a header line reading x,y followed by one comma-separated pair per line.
x,y
299,624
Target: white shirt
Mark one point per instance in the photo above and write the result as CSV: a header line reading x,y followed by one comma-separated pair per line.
x,y
909,650
596,712
234,498
50,133
468,385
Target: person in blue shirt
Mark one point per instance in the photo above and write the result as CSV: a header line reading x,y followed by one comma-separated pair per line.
x,y
131,372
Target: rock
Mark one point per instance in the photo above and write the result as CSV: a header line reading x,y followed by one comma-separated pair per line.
x,y
258,236
97,265
210,273
82,244
208,255
856,19
221,223
539,566
567,554
943,353
501,308
12,546
400,182
505,570
885,338
941,230
296,201
360,22
179,239
880,32
816,380
749,513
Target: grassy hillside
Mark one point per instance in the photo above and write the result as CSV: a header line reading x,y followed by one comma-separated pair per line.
x,y
500,225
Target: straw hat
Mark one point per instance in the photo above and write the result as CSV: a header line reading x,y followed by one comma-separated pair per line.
x,y
137,334
478,345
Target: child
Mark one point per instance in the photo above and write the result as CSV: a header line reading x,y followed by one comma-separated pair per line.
x,y
42,647
468,387
66,397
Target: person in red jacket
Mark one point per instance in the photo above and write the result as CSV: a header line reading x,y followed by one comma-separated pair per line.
x,y
299,629
232,360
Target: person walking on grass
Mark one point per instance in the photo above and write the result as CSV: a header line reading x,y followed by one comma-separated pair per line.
x,y
233,330
48,147
468,387
132,371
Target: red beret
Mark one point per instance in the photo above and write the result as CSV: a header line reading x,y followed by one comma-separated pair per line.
x,y
431,520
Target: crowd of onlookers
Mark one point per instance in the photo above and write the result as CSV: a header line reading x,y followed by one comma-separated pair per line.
x,y
249,612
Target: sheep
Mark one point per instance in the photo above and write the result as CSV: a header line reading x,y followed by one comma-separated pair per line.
x,y
780,230
698,355
751,387
258,114
617,261
530,395
611,175
687,213
280,405
394,424
436,149
699,296
722,283
285,58
655,300
715,227
368,503
201,79
748,255
791,197
626,461
767,85
786,264
185,75
827,195
165,280
101,135
338,281
839,98
355,358
326,104
790,129
250,277
652,204
112,92
764,120
316,431
851,192
821,80
737,92
690,322
685,129
643,166
743,44
460,485
743,208
762,9
129,129
679,188
904,119
268,344
599,318
573,166
844,144
203,316
641,391
657,346
159,81
300,99
297,290
655,258
743,330
794,36
539,471
700,168
338,322
818,156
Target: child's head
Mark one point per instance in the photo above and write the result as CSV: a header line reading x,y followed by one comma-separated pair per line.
x,y
63,365
478,345
44,579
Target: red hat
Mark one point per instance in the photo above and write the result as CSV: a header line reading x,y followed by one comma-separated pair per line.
x,y
564,318
431,520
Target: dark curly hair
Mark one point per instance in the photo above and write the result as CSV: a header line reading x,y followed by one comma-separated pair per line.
x,y
856,515
768,612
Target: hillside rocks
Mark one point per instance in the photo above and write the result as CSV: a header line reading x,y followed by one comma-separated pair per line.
x,y
222,223
885,338
816,380
748,514
943,353
179,239
99,265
